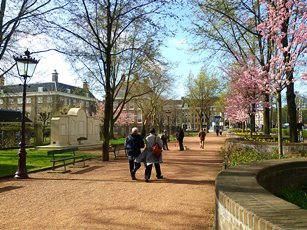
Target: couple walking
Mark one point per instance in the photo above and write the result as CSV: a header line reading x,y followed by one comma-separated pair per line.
x,y
134,143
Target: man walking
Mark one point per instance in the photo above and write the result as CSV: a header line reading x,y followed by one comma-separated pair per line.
x,y
133,144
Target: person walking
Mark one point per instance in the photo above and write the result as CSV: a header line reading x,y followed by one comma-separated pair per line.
x,y
133,145
217,130
149,158
165,138
202,136
179,137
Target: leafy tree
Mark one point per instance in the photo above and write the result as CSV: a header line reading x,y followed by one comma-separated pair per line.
x,y
228,29
202,94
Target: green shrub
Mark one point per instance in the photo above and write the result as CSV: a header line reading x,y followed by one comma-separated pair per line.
x,y
237,156
296,196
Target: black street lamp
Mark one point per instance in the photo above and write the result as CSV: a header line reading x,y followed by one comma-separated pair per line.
x,y
168,123
26,67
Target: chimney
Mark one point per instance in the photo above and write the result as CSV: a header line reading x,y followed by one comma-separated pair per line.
x,y
55,76
85,86
1,81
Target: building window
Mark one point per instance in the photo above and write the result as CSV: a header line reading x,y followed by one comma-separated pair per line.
x,y
131,106
11,101
40,100
68,90
139,116
131,117
49,99
28,100
1,101
40,89
19,100
19,108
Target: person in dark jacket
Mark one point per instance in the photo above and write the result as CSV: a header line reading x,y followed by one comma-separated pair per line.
x,y
133,144
165,138
179,137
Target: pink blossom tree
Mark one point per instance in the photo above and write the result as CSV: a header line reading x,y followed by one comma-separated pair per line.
x,y
285,28
246,91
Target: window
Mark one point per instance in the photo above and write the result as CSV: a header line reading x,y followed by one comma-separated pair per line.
x,y
68,90
40,100
131,117
28,100
1,101
19,100
139,116
11,101
49,99
40,89
131,106
19,108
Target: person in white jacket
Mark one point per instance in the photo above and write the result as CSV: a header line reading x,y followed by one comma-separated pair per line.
x,y
149,158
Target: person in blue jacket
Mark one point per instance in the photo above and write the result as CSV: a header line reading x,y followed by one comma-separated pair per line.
x,y
133,144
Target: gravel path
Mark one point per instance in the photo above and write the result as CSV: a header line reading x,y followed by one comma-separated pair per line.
x,y
102,196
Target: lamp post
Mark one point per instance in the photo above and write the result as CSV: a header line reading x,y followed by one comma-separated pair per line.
x,y
168,124
26,66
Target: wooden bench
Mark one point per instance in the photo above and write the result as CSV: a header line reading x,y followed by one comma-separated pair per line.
x,y
68,158
116,148
80,139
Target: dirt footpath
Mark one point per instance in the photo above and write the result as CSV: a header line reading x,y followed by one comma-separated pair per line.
x,y
102,196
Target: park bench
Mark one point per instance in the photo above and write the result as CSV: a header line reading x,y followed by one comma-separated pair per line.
x,y
116,149
80,139
67,156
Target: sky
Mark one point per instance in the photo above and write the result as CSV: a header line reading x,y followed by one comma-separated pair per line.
x,y
176,51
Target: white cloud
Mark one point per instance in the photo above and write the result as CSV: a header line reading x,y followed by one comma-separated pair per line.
x,y
179,42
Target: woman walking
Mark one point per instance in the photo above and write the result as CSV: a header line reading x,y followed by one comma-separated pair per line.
x,y
149,158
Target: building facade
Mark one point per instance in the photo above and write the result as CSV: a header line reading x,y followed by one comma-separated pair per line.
x,y
53,98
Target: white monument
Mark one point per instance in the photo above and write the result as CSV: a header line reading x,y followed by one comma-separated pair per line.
x,y
75,128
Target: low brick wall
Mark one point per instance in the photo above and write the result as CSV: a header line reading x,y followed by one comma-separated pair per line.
x,y
265,146
242,203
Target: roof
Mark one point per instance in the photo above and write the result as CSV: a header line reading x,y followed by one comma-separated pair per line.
x,y
11,116
47,87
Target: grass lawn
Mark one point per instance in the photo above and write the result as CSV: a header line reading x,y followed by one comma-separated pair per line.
x,y
36,159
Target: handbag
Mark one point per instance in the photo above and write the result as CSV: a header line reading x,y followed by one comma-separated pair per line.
x,y
156,149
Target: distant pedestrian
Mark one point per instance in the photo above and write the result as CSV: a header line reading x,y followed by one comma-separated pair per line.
x,y
133,144
202,136
217,130
165,139
148,158
179,137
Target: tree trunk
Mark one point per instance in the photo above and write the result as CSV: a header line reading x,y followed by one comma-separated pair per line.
x,y
279,134
143,132
112,128
266,116
106,127
252,120
292,112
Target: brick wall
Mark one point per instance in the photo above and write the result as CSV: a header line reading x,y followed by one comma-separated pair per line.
x,y
241,203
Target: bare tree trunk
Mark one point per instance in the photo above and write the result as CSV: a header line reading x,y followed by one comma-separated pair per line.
x,y
292,113
266,116
279,134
